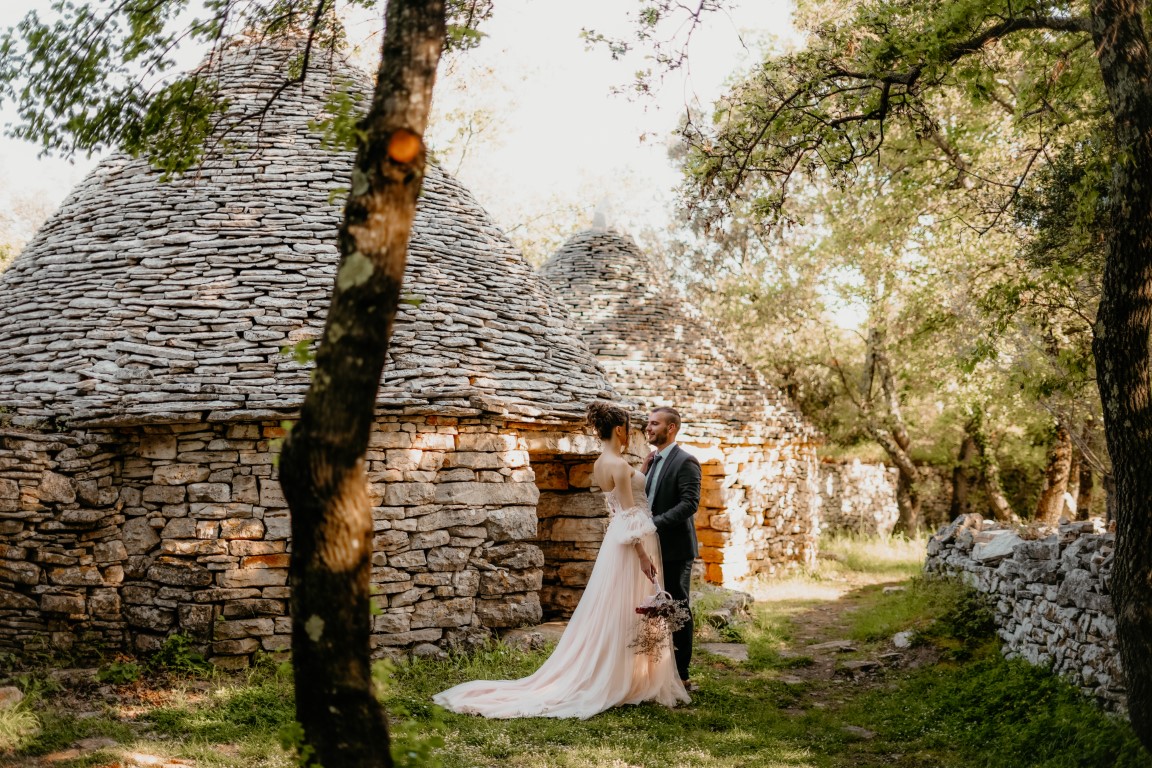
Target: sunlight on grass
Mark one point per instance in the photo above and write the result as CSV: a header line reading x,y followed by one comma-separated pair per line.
x,y
847,561
17,726
888,555
923,602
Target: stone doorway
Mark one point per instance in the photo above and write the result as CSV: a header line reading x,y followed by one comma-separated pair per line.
x,y
572,518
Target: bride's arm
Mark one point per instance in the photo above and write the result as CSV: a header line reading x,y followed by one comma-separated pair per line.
x,y
622,477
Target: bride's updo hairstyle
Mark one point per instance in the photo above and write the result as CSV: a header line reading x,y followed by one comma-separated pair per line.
x,y
605,417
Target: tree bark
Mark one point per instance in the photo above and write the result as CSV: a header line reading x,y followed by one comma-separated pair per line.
x,y
1084,494
962,475
897,442
1001,507
1121,339
322,464
1051,503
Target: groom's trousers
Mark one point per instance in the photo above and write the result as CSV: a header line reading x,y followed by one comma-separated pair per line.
x,y
678,583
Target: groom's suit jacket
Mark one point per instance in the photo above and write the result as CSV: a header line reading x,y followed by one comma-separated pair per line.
x,y
674,502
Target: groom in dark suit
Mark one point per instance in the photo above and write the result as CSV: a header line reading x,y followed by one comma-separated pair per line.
x,y
672,485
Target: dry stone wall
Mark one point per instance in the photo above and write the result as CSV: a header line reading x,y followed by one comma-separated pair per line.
x,y
1050,595
759,505
858,498
117,538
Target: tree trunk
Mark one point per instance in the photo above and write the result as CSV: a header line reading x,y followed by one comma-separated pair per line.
x,y
908,485
1121,339
322,464
1084,494
1001,507
962,475
1051,503
1072,488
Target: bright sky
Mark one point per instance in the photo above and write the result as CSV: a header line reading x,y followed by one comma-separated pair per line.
x,y
560,137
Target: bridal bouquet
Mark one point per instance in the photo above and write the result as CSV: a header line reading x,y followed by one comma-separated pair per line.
x,y
660,616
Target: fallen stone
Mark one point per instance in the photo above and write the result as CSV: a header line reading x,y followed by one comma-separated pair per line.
x,y
10,696
839,646
859,732
903,639
96,743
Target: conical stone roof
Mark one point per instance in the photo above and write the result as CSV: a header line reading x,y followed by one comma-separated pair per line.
x,y
148,301
657,348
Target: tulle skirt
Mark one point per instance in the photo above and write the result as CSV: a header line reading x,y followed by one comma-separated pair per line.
x,y
593,668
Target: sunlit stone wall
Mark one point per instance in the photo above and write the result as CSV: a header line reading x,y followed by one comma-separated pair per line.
x,y
1050,595
114,539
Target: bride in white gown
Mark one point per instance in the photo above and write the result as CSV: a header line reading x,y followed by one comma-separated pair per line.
x,y
593,668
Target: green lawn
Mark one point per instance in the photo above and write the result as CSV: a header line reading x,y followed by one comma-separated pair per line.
x,y
951,701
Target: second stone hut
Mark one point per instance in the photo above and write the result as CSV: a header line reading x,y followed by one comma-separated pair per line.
x,y
760,502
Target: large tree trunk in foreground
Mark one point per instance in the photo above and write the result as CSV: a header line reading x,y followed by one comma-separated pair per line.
x,y
322,465
1051,503
1121,340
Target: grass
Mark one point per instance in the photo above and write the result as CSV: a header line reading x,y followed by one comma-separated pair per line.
x,y
895,556
965,707
17,726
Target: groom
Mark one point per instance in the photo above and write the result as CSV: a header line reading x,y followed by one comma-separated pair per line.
x,y
672,485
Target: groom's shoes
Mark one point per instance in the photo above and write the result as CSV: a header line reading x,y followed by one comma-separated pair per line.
x,y
690,686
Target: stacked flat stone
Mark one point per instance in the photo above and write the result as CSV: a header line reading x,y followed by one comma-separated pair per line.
x,y
760,504
1051,596
858,498
142,301
144,380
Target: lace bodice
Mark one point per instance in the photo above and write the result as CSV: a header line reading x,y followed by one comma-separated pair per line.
x,y
639,499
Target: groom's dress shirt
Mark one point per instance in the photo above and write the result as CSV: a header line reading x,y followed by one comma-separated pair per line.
x,y
658,464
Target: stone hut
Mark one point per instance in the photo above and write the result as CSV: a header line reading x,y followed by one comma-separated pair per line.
x,y
147,373
760,502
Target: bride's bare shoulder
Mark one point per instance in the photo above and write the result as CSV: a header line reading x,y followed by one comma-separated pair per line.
x,y
609,470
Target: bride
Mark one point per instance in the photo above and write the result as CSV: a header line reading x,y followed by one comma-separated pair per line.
x,y
593,668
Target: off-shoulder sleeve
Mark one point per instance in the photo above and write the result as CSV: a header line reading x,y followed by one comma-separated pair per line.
x,y
629,526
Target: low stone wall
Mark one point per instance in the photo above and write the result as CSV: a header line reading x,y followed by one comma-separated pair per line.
x,y
114,538
1050,596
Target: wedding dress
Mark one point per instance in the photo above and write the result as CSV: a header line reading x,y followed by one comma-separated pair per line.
x,y
592,668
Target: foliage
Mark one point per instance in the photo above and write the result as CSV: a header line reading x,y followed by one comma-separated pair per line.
x,y
178,655
99,74
944,612
930,176
998,714
119,672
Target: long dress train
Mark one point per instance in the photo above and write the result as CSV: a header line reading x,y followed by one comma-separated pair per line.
x,y
592,668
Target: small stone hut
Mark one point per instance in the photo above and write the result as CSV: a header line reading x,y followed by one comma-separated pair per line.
x,y
147,370
760,501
